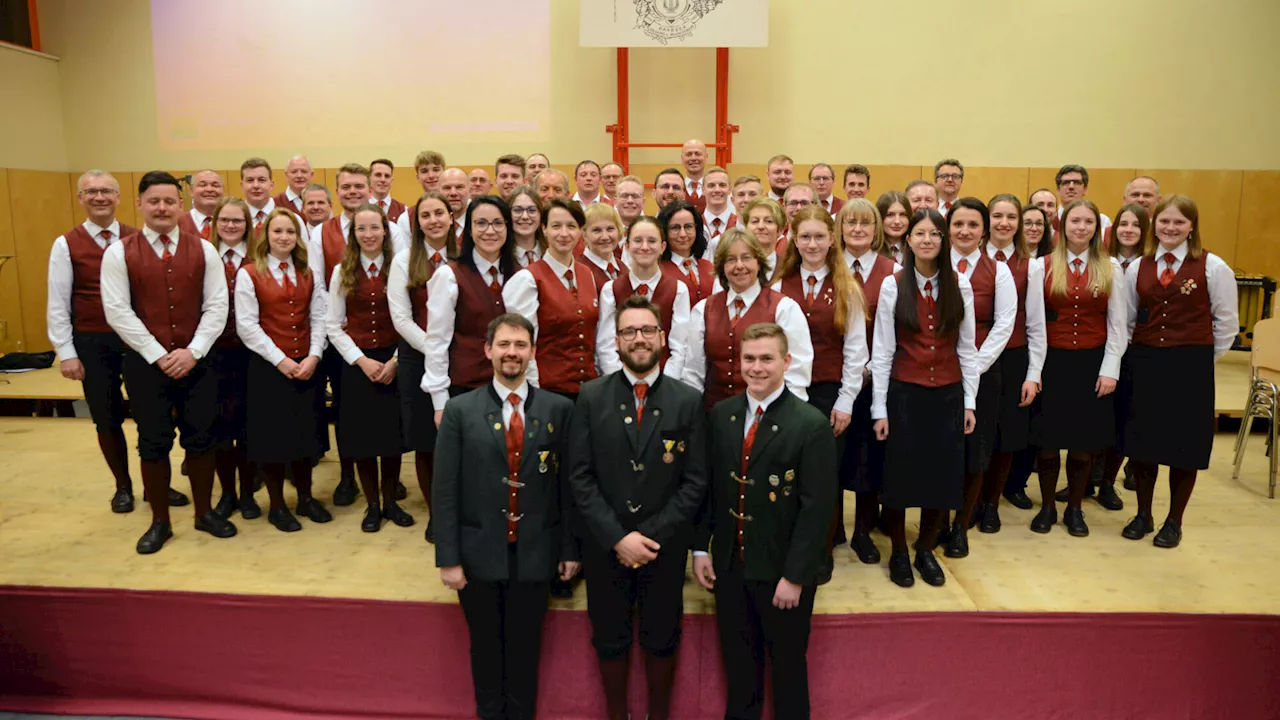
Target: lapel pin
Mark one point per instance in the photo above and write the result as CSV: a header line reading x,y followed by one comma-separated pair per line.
x,y
542,460
497,426
773,497
656,412
550,428
775,428
790,475
733,418
787,491
680,447
773,480
627,419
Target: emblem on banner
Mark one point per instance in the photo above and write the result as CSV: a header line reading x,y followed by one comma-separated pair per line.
x,y
668,20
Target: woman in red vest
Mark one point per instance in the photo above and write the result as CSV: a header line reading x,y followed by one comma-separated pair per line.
x,y
559,295
664,288
1023,355
526,228
1184,315
895,213
717,323
463,297
1084,321
600,243
432,245
229,361
360,329
766,219
686,239
813,273
862,470
925,374
280,318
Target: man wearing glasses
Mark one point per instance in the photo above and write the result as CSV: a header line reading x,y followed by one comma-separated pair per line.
x,y
630,202
637,470
1073,184
610,174
797,197
823,180
668,187
948,175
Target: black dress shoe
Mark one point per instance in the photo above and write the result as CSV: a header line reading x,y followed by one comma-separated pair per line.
x,y
249,509
227,506
401,492
1019,499
431,531
1073,520
283,520
397,515
1108,498
213,524
1139,527
177,499
930,570
959,545
345,493
865,548
153,539
372,519
827,567
1045,519
1169,536
1062,495
314,510
900,570
122,502
990,519
840,538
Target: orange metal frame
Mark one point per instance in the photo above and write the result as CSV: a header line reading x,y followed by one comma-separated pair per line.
x,y
621,130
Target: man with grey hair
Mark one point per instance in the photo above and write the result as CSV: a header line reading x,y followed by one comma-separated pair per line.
x,y
456,189
693,156
551,183
299,174
317,206
949,176
206,191
89,351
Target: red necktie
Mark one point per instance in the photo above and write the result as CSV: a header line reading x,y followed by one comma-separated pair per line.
x,y
205,226
613,271
740,306
947,206
530,257
568,276
231,267
857,272
1166,277
1000,256
1124,264
373,272
642,389
813,290
286,281
106,237
515,443
257,221
693,188
643,290
1075,268
928,293
962,266
715,224
494,285
166,256
435,259
383,204
688,270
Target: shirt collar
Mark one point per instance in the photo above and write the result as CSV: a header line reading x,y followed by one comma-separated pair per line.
x,y
651,282
504,392
483,265
748,296
266,209
600,262
921,280
95,230
578,199
555,265
198,217
1008,252
821,274
865,261
973,258
153,237
1179,252
679,260
292,196
709,216
366,263
274,263
753,403
1083,257
651,378
240,250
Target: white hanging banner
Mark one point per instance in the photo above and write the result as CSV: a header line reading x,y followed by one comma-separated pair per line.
x,y
673,23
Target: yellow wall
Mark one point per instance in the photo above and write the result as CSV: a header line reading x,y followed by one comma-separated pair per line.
x,y
31,120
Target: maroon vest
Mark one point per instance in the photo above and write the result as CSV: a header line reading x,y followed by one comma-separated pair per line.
x,y
1177,315
1018,268
167,296
664,296
566,327
333,245
369,314
723,341
926,357
285,318
395,209
1077,320
706,279
188,225
828,343
229,337
86,274
602,277
476,307
881,269
281,200
983,282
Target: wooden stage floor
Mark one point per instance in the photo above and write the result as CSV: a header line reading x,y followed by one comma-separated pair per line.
x,y
56,529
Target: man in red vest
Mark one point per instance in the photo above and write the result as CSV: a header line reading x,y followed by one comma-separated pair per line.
x,y
381,175
508,174
610,174
256,185
299,174
455,188
823,179
206,191
693,156
718,215
164,292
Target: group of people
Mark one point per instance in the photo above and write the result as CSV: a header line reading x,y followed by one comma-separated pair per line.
x,y
586,387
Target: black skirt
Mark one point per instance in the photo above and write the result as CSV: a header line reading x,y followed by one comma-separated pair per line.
x,y
863,467
417,414
1013,428
281,414
1171,416
230,365
368,412
1123,401
924,455
1070,415
979,444
823,396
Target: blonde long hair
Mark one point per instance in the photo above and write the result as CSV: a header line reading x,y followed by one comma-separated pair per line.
x,y
261,250
846,290
1100,270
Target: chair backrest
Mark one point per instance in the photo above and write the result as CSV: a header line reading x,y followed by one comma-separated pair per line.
x,y
1266,346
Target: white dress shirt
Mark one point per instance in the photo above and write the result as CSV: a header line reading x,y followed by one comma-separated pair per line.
x,y
198,218
520,296
677,339
788,314
603,263
689,191
248,320
1037,338
525,258
117,299
295,200
239,253
1221,285
398,299
895,251
584,204
708,226
402,222
504,396
885,343
315,243
866,262
762,405
1005,303
442,306
854,352
58,321
336,325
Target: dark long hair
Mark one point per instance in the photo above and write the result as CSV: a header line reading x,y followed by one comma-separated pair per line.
x,y
950,306
507,256
420,269
700,237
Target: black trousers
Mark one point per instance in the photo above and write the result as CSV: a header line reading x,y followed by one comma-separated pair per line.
x,y
102,355
505,622
749,627
160,403
613,591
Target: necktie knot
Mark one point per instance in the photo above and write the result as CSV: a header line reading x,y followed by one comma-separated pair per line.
x,y
568,276
642,389
739,304
716,223
382,204
106,235
494,285
643,290
1076,265
228,260
613,271
1000,256
688,264
1170,259
928,289
435,258
813,280
259,217
514,399
947,205
963,265
693,186
857,266
373,270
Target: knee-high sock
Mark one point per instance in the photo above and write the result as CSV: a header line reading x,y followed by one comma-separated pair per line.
x,y
200,472
972,489
660,673
897,521
837,528
997,474
1049,466
347,469
1181,483
248,469
274,473
1112,461
115,451
367,469
1079,470
866,509
614,673
1144,474
390,476
155,483
302,478
225,463
422,462
930,523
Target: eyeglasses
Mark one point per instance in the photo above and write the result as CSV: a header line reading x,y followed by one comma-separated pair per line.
x,y
798,203
668,187
631,196
231,221
648,331
949,176
1070,182
485,225
858,222
1034,224
95,192
524,210
686,228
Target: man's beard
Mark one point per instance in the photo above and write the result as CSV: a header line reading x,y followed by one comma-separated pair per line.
x,y
640,369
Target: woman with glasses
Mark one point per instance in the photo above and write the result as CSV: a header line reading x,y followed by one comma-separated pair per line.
x,y
681,225
648,278
1037,231
526,225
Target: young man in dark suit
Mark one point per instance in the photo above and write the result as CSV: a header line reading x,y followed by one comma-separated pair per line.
x,y
500,509
766,520
637,469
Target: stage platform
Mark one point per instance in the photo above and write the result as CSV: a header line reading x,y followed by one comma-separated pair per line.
x,y
303,624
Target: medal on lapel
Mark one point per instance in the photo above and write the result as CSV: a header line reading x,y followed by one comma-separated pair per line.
x,y
542,460
790,475
773,497
773,480
667,457
680,447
